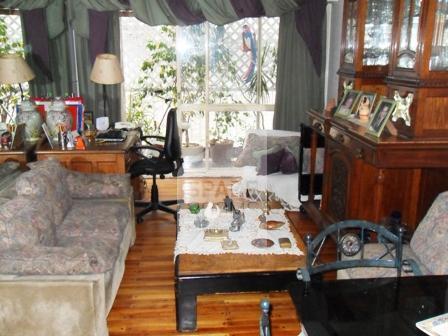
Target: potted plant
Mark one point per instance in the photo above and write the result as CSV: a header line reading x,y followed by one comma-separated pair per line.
x,y
221,148
191,152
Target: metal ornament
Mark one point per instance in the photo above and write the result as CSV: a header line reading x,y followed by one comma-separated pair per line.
x,y
238,221
350,244
402,108
348,85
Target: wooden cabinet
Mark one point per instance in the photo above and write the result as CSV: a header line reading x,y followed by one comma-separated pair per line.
x,y
368,178
389,46
366,42
21,156
419,65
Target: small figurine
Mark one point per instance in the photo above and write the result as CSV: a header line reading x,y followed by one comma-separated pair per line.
x,y
228,204
402,109
194,208
238,221
6,140
201,222
364,109
211,214
79,143
70,140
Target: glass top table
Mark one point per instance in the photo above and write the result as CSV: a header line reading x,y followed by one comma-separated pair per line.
x,y
385,306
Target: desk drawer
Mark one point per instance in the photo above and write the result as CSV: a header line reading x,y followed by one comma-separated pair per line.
x,y
355,148
318,125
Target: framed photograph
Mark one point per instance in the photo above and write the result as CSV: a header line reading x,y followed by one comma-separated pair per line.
x,y
348,104
48,135
18,136
365,106
381,115
88,119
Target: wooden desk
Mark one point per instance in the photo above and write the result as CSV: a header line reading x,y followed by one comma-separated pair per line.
x,y
22,156
197,274
106,157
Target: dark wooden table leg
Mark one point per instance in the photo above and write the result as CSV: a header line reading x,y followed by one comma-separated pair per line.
x,y
185,312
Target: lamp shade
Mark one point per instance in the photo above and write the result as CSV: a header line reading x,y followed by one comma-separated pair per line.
x,y
106,70
14,69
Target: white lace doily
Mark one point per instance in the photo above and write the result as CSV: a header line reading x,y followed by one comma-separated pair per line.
x,y
190,239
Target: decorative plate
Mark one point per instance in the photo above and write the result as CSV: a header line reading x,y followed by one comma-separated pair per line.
x,y
262,243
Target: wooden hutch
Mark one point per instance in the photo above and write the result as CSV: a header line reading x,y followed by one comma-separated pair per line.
x,y
366,177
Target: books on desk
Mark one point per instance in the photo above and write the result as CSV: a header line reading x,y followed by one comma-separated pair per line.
x,y
434,326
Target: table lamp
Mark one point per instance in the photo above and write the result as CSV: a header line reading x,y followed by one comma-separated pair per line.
x,y
106,70
14,70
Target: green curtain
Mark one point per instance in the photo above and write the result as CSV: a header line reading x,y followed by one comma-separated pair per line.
x,y
60,85
92,92
153,13
219,12
298,88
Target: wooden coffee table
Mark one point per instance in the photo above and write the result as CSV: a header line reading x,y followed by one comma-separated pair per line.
x,y
197,274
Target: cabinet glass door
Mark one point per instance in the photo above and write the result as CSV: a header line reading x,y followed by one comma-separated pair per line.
x,y
378,32
439,54
408,34
350,33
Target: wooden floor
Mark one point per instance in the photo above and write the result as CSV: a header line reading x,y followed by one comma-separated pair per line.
x,y
145,300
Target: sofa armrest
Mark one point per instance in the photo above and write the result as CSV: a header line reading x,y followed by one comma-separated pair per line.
x,y
88,186
51,260
53,305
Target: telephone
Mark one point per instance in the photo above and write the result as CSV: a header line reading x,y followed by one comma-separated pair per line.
x,y
124,124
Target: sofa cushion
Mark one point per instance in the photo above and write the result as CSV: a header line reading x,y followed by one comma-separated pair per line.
x,y
84,186
8,167
429,241
94,220
46,181
96,227
270,163
25,221
288,163
264,139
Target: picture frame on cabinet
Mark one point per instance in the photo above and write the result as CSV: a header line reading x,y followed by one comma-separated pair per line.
x,y
348,104
380,117
364,109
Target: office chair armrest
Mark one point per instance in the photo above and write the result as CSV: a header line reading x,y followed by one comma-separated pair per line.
x,y
137,149
157,137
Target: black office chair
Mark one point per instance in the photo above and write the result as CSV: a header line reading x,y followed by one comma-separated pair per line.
x,y
168,161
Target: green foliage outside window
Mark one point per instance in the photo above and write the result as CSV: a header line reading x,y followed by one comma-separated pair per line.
x,y
9,94
162,64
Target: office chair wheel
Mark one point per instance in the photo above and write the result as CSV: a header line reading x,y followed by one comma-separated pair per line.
x,y
139,219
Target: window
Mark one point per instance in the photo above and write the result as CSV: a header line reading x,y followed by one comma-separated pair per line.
x,y
221,78
10,42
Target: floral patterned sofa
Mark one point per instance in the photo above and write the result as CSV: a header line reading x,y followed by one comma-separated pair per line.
x,y
64,239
